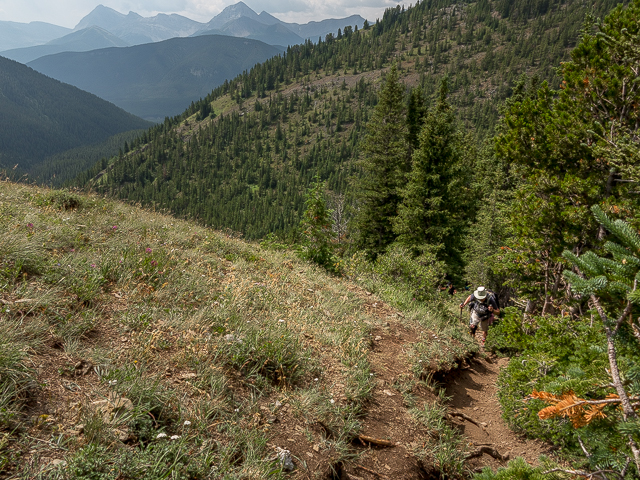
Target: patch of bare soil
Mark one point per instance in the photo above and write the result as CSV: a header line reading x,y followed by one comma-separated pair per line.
x,y
474,409
387,417
473,393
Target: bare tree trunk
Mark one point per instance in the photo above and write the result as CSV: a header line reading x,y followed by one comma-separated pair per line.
x,y
627,409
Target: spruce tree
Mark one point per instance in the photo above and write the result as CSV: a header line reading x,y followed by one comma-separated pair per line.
x,y
384,163
432,211
611,285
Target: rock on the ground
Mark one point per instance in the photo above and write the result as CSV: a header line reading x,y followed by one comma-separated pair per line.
x,y
285,459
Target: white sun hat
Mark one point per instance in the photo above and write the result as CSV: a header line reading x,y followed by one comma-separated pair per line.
x,y
480,293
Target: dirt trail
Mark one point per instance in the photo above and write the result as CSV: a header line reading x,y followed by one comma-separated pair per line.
x,y
387,416
473,393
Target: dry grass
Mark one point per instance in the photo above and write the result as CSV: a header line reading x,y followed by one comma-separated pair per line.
x,y
229,347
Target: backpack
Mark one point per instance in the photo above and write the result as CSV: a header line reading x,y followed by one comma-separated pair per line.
x,y
492,296
481,309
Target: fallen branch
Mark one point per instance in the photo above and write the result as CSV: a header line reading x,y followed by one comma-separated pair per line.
x,y
467,418
589,475
372,472
376,441
489,451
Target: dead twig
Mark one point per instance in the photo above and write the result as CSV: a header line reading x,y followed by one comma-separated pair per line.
x,y
468,419
372,472
489,451
376,441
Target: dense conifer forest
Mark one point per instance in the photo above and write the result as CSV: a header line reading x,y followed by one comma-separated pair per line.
x,y
243,156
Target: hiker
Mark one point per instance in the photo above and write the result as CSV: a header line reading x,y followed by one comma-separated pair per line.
x,y
483,306
451,290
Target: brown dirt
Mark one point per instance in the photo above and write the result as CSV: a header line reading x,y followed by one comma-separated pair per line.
x,y
473,392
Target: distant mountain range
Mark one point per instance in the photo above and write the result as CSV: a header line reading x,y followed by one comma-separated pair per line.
x,y
154,67
160,79
41,117
105,27
18,35
90,38
135,29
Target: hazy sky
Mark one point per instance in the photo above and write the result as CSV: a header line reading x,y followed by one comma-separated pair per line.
x,y
67,13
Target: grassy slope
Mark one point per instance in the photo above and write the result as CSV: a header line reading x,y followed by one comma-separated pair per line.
x,y
120,325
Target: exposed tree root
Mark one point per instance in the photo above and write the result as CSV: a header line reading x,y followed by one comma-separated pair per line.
x,y
489,451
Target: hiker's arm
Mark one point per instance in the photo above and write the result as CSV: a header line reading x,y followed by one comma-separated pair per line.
x,y
462,305
494,309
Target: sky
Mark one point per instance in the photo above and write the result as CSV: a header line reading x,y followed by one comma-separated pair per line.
x,y
67,13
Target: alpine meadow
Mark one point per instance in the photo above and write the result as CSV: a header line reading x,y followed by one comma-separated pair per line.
x,y
286,280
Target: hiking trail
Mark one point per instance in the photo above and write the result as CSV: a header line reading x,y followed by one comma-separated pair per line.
x,y
472,391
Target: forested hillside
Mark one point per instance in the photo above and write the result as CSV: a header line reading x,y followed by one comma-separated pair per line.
x,y
304,113
42,117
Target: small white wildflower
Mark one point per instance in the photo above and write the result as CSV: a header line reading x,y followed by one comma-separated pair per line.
x,y
175,437
161,435
187,423
315,379
113,382
281,321
333,401
371,374
237,410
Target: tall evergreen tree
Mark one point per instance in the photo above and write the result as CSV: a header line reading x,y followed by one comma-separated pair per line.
x,y
384,163
433,209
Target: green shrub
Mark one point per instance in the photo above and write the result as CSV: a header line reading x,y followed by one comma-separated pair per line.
x,y
558,355
62,199
519,469
420,274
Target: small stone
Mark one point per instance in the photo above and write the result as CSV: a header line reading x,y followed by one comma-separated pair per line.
x,y
316,448
309,454
57,462
378,338
121,435
484,424
389,393
285,459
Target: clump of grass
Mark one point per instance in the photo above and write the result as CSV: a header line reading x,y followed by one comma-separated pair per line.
x,y
273,352
19,256
61,199
340,423
444,448
17,385
156,409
